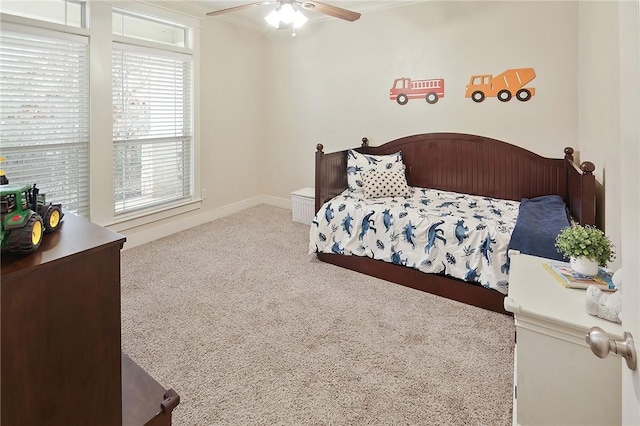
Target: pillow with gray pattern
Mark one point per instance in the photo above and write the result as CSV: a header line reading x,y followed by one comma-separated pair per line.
x,y
385,183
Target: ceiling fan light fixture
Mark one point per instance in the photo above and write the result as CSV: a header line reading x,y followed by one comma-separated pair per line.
x,y
299,19
287,13
273,18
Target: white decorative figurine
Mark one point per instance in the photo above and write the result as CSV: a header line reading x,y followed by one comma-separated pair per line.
x,y
606,305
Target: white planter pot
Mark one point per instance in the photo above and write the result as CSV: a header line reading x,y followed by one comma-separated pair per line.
x,y
584,266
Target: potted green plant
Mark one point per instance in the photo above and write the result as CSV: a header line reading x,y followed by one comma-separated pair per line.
x,y
587,247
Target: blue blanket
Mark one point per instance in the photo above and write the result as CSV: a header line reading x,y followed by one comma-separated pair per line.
x,y
539,222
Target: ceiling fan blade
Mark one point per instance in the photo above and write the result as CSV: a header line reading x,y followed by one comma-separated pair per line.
x,y
236,8
335,11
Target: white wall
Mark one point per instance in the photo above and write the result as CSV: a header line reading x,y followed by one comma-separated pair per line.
x,y
231,130
232,93
598,108
266,100
330,84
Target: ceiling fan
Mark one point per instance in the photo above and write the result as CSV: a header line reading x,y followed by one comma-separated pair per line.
x,y
287,11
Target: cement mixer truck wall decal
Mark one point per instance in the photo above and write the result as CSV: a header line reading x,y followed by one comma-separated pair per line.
x,y
503,86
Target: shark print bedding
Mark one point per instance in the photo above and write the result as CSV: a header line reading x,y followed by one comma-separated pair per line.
x,y
460,235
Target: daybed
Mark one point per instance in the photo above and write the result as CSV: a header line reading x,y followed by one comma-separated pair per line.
x,y
469,170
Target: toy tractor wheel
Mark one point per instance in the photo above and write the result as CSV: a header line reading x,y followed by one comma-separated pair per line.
x,y
51,218
28,238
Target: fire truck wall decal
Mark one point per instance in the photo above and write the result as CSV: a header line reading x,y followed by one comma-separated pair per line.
x,y
503,86
404,89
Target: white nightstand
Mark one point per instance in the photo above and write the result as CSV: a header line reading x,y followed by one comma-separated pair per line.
x,y
557,379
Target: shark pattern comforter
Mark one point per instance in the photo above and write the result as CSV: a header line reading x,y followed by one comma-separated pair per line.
x,y
460,235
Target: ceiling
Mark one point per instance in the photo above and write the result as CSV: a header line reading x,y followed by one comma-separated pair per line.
x,y
253,17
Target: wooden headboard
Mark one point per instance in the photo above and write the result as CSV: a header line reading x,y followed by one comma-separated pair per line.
x,y
474,165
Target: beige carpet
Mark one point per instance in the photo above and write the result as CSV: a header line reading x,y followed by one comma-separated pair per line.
x,y
250,329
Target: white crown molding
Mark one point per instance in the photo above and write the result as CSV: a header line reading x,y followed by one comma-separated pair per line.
x,y
372,7
376,6
192,8
199,9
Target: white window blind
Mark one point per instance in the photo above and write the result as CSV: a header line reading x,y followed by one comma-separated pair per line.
x,y
151,127
44,117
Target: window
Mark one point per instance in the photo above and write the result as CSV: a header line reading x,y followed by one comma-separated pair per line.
x,y
44,114
65,12
140,27
151,127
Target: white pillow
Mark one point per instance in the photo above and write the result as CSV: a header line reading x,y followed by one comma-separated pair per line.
x,y
358,163
385,183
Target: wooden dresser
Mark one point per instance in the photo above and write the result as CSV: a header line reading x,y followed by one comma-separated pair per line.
x,y
558,380
60,360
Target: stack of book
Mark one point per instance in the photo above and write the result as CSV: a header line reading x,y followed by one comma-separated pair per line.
x,y
562,272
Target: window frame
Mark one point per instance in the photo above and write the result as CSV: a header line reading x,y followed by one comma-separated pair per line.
x,y
194,200
123,38
39,22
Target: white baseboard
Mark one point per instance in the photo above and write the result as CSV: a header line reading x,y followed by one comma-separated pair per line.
x,y
285,203
135,239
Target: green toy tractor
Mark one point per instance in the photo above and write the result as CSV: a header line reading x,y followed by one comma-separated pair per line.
x,y
25,217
